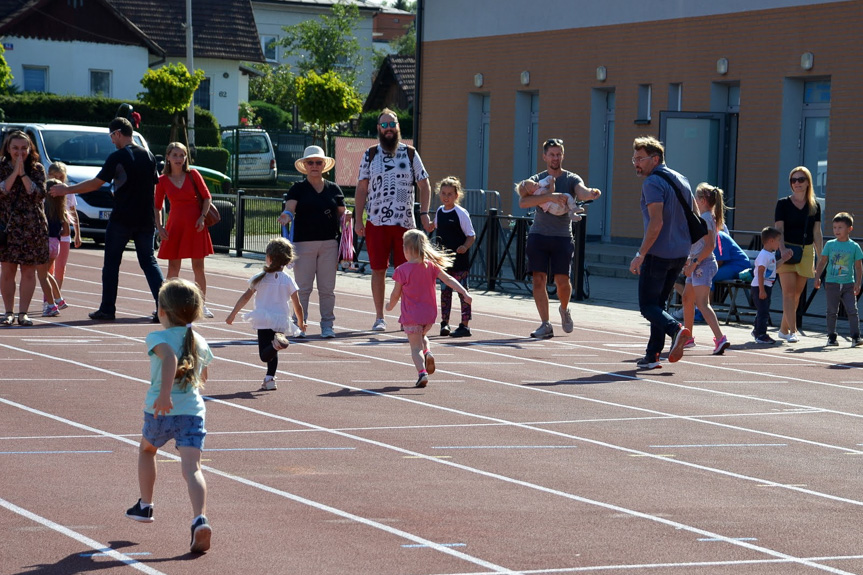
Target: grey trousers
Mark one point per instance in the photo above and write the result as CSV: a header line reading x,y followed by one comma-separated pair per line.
x,y
845,292
316,262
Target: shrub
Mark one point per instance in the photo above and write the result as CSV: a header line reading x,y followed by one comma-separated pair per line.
x,y
213,158
272,117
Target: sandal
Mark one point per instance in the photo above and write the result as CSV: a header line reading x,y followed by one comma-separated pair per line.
x,y
23,320
8,319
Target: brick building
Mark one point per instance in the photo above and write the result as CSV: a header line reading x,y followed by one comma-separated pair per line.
x,y
739,96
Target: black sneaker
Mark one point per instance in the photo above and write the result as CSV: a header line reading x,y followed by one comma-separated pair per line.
x,y
445,329
855,341
422,380
201,533
155,318
648,362
831,340
100,315
139,513
461,331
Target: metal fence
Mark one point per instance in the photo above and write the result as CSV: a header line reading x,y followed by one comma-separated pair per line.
x,y
498,257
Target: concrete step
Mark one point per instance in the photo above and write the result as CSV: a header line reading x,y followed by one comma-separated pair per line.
x,y
609,260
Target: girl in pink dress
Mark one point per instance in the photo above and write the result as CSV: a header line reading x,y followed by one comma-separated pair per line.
x,y
416,287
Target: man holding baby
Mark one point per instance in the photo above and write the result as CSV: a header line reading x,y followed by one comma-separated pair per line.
x,y
549,242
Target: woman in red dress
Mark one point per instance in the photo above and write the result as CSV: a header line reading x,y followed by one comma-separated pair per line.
x,y
185,235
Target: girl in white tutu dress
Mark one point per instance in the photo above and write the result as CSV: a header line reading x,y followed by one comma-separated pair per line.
x,y
274,292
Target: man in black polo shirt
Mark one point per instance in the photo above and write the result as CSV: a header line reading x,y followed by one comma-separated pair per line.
x,y
133,171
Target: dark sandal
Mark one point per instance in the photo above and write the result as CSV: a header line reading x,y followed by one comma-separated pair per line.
x,y
23,320
8,319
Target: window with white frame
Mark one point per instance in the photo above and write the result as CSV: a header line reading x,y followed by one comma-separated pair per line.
x,y
100,83
202,94
35,79
268,46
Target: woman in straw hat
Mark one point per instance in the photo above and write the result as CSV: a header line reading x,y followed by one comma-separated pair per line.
x,y
314,209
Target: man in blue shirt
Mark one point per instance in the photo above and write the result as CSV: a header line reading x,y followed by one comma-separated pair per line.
x,y
663,250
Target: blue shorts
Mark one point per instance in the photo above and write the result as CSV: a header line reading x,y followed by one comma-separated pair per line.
x,y
185,430
549,254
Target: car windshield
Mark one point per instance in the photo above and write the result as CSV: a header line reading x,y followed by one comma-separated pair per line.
x,y
79,148
249,143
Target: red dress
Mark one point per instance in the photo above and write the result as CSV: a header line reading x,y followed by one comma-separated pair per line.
x,y
184,241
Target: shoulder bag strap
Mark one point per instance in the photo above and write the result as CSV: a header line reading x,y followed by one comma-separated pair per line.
x,y
675,187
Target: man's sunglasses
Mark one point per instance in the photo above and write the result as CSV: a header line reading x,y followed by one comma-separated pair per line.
x,y
386,125
553,142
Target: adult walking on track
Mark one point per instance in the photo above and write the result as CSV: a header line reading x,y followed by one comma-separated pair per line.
x,y
549,242
315,208
385,190
663,250
185,235
132,168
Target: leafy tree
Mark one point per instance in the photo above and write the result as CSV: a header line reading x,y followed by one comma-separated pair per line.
x,y
326,99
171,89
328,43
406,5
5,73
276,86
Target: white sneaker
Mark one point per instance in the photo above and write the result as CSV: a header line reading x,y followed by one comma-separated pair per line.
x,y
208,313
380,325
792,337
785,336
269,384
678,314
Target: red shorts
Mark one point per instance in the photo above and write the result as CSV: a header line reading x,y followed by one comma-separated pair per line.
x,y
381,241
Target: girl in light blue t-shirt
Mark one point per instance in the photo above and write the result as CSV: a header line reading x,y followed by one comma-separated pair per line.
x,y
174,408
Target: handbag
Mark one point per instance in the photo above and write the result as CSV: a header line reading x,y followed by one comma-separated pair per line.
x,y
696,224
796,253
213,216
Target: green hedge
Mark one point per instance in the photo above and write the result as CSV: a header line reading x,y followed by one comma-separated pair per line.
x,y
98,111
272,117
213,158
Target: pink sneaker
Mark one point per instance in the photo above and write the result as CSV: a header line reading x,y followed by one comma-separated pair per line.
x,y
720,345
690,343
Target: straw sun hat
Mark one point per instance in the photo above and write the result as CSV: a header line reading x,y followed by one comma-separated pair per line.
x,y
314,152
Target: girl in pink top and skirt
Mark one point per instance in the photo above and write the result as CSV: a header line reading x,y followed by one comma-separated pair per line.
x,y
416,287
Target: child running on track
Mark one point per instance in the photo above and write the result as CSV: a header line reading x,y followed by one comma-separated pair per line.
x,y
174,408
274,292
701,267
415,286
455,233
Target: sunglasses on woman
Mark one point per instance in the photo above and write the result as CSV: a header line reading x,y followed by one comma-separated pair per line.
x,y
314,162
799,180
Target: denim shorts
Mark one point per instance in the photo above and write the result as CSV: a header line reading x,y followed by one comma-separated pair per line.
x,y
185,430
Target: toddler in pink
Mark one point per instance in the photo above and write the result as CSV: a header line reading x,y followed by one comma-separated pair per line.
x,y
416,287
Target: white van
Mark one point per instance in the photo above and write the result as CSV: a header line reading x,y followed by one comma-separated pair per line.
x,y
83,149
257,158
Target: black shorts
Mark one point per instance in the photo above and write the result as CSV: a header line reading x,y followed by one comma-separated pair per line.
x,y
554,251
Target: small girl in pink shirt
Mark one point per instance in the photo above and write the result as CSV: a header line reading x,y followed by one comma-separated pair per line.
x,y
416,287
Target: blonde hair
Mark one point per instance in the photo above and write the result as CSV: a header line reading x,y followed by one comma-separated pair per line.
x,y
281,253
714,197
810,191
171,147
183,303
450,182
417,242
58,168
55,207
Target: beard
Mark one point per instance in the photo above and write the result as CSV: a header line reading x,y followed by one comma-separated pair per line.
x,y
389,140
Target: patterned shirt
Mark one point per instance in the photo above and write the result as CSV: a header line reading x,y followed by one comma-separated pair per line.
x,y
390,199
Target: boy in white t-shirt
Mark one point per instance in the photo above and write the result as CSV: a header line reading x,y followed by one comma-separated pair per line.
x,y
763,276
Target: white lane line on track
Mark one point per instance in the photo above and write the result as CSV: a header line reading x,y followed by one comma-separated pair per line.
x,y
314,504
441,461
83,539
